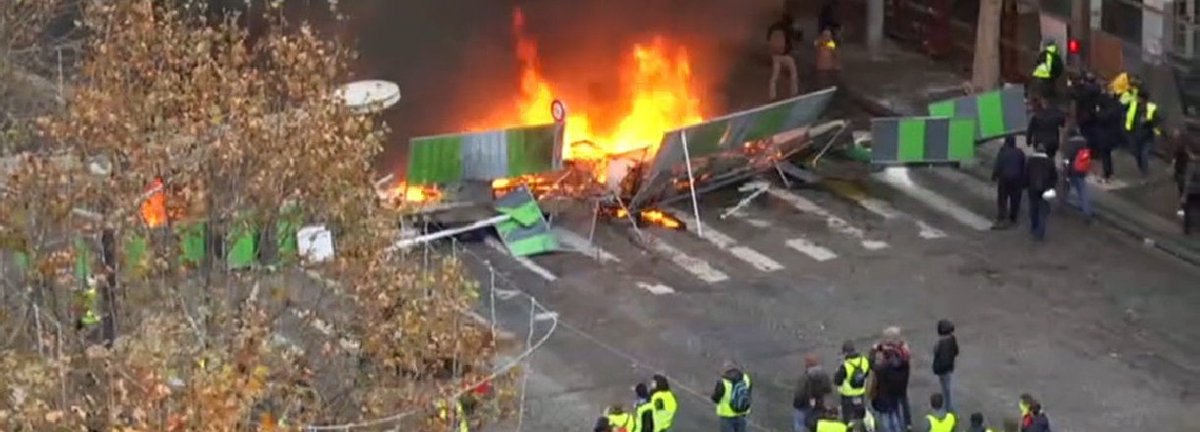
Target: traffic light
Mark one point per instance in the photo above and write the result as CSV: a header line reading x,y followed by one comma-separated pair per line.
x,y
1073,46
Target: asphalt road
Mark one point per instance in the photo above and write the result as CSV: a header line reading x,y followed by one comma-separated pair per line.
x,y
1094,324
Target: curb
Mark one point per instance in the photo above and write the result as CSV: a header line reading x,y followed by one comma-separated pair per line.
x,y
1110,218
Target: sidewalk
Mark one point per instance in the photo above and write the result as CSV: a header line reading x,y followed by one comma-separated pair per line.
x,y
897,82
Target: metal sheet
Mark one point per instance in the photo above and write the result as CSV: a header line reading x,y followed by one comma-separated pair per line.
x,y
727,145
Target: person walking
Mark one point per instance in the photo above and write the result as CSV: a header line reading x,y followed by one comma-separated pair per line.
x,y
851,379
940,420
1109,133
811,390
1035,420
888,376
1046,127
1040,180
780,37
732,397
1049,68
895,349
1077,162
664,404
1141,126
1008,172
944,354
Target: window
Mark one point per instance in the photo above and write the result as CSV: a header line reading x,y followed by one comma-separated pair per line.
x,y
1062,8
1123,19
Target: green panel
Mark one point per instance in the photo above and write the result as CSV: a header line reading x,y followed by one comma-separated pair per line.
x,y
83,260
962,139
21,259
768,123
435,159
705,139
530,150
191,242
243,246
942,109
528,213
287,247
991,115
533,245
912,140
134,253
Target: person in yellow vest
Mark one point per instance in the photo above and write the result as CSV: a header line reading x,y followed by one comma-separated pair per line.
x,y
1045,74
829,422
459,417
615,419
940,420
851,379
828,62
732,397
1141,126
88,302
664,404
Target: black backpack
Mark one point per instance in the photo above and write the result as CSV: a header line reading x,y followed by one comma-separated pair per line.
x,y
739,398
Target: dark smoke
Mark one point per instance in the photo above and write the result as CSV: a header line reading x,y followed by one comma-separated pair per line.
x,y
455,60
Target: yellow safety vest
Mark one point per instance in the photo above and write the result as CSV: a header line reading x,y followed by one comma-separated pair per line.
x,y
829,44
1128,97
826,425
724,409
1131,114
850,365
621,421
1024,408
90,318
665,416
639,412
459,414
1043,69
944,424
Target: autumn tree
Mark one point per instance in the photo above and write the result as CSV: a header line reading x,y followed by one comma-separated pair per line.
x,y
199,315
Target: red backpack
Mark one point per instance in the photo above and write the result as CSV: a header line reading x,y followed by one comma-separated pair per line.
x,y
1083,161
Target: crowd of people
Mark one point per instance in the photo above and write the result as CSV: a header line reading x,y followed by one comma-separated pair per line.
x,y
866,392
1097,121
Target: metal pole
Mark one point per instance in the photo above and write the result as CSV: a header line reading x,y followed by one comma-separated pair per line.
x,y
406,243
528,360
687,159
492,294
62,98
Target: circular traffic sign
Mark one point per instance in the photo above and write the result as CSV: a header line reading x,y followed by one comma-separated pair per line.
x,y
559,110
369,96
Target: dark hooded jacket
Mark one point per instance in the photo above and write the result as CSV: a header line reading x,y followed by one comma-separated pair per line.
x,y
734,376
946,349
1039,423
1040,173
1009,166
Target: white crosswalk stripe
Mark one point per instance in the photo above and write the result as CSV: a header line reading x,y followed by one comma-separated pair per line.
x,y
696,266
656,288
525,262
579,244
898,178
754,222
835,223
885,210
811,249
728,244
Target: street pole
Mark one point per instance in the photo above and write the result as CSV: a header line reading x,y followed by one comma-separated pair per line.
x,y
874,26
985,74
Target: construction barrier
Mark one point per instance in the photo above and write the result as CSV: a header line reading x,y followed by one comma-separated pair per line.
x,y
996,113
526,231
922,140
485,156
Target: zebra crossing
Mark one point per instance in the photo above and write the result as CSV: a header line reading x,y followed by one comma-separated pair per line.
x,y
789,231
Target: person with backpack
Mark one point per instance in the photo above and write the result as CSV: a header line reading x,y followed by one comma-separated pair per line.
x,y
851,379
732,397
664,404
1035,420
615,419
811,390
643,410
944,354
1040,179
1048,69
1077,162
897,357
939,420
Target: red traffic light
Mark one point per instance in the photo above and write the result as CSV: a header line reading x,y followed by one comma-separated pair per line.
x,y
1073,46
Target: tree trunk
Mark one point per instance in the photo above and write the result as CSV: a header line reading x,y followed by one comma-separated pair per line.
x,y
985,73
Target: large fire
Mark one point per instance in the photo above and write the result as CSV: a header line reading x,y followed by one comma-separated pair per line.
x,y
658,95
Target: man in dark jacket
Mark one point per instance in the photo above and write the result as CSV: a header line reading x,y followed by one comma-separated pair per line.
x,y
1040,177
1046,127
1008,171
1036,420
1110,132
811,390
642,408
944,354
730,421
889,376
1076,174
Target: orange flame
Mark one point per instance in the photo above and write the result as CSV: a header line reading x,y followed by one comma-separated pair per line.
x,y
411,194
658,95
154,209
662,219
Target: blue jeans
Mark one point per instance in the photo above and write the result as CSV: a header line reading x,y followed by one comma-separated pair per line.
x,y
1039,211
733,424
1141,152
944,379
1078,185
889,421
800,420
